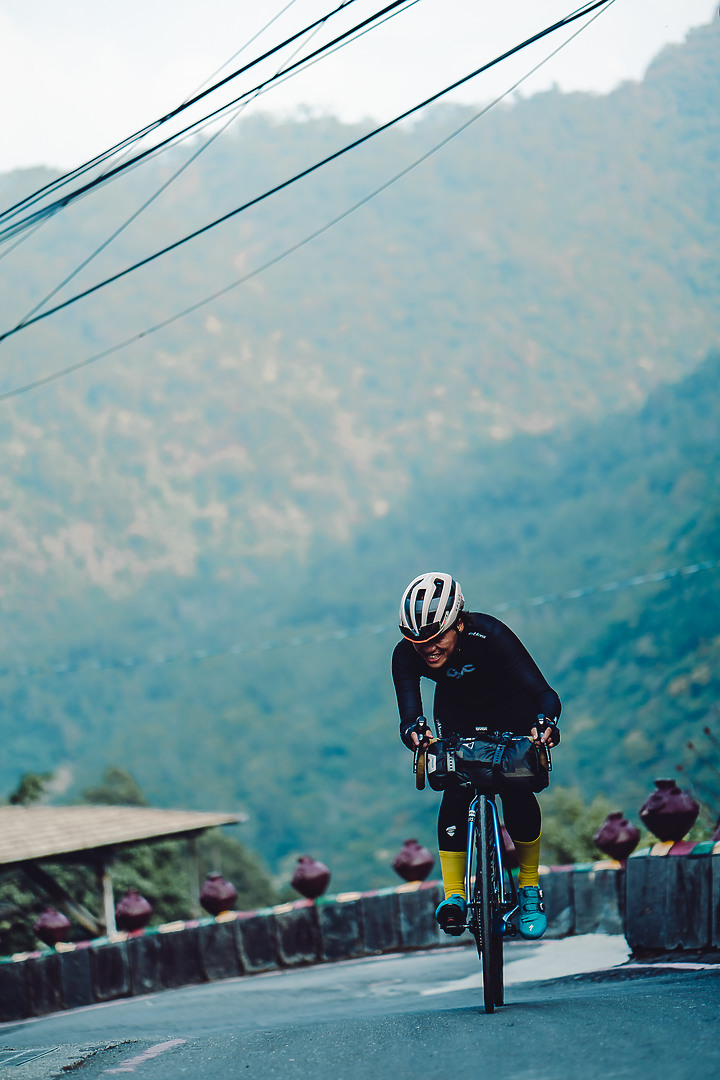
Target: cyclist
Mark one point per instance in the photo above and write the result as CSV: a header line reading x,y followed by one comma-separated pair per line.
x,y
483,675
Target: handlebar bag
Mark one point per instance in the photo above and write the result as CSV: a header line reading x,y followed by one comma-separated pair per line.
x,y
488,763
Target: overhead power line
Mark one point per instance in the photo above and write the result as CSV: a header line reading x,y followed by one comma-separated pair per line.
x,y
126,663
242,49
111,350
287,70
157,193
309,170
11,229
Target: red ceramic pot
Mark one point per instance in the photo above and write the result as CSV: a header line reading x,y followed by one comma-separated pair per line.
x,y
52,926
616,837
311,878
413,862
217,894
133,912
668,812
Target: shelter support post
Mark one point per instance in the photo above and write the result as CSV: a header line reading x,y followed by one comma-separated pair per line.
x,y
194,875
105,879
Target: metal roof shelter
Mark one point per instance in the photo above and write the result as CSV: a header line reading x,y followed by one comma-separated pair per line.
x,y
31,834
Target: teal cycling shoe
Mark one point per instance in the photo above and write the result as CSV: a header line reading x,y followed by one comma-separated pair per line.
x,y
532,921
451,914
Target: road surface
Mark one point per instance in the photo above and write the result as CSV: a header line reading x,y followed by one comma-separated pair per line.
x,y
571,1012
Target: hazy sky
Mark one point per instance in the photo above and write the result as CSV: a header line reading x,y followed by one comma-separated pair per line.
x,y
77,76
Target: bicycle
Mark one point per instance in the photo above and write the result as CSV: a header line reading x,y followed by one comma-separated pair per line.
x,y
490,888
491,905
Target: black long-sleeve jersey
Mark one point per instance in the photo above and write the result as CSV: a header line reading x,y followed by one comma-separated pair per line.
x,y
490,680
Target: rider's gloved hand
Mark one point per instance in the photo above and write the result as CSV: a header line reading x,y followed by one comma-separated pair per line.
x,y
545,731
421,734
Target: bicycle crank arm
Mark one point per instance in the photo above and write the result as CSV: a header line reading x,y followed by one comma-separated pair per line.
x,y
510,928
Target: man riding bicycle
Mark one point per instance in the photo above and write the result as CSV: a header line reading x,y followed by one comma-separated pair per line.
x,y
483,675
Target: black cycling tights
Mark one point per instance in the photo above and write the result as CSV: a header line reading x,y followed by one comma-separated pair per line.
x,y
521,814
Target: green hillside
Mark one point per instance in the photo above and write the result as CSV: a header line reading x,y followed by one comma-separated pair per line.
x,y
506,365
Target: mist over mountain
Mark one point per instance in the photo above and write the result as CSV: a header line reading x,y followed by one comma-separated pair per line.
x,y
505,365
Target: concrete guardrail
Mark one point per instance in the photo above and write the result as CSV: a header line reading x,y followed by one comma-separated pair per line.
x,y
659,903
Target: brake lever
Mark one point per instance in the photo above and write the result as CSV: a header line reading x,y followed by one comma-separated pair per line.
x,y
542,726
421,729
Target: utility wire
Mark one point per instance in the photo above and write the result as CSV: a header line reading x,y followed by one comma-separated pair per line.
x,y
61,373
46,211
26,234
163,187
68,177
363,630
285,70
215,73
262,88
105,155
298,176
52,208
242,49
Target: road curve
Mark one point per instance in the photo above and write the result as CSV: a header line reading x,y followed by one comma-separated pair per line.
x,y
397,1016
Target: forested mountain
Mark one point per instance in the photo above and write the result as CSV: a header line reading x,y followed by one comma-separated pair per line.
x,y
504,365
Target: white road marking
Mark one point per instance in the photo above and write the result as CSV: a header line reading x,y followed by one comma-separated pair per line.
x,y
132,1064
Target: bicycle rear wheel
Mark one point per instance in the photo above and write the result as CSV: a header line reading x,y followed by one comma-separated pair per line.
x,y
490,915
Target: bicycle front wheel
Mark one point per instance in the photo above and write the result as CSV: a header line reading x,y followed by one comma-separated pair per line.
x,y
490,915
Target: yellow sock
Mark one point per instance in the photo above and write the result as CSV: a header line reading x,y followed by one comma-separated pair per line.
x,y
452,864
528,862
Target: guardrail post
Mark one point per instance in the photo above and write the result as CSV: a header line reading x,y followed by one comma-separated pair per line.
x,y
14,996
416,907
668,902
76,976
715,900
691,902
257,940
340,926
44,984
381,921
181,964
559,899
144,950
219,948
297,933
110,970
596,900
646,902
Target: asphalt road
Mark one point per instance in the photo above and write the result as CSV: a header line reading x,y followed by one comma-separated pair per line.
x,y
394,1017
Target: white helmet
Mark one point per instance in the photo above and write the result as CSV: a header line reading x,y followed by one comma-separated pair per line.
x,y
430,605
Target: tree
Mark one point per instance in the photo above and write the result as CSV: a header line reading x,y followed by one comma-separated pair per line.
x,y
31,789
159,870
117,788
569,825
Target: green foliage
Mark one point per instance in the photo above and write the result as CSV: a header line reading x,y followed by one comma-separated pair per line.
x,y
160,871
30,789
495,367
117,788
569,825
20,907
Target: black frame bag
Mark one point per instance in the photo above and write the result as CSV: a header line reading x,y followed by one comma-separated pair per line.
x,y
488,763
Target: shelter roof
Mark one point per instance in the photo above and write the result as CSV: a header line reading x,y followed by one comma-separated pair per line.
x,y
44,832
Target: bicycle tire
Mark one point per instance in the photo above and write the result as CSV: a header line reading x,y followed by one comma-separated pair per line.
x,y
489,909
498,981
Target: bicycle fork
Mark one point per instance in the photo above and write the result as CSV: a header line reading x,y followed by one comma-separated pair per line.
x,y
507,927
